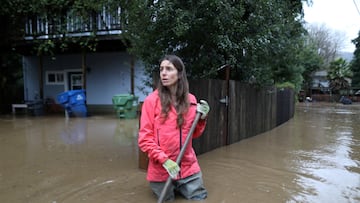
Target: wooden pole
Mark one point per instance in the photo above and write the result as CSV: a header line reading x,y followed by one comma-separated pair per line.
x,y
132,75
227,79
143,158
41,78
84,68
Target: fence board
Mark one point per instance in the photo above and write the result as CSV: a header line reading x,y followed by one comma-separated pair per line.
x,y
215,133
285,105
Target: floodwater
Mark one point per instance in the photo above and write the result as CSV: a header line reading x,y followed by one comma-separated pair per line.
x,y
314,157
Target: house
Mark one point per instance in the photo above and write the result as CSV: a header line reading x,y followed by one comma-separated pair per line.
x,y
102,74
320,89
320,82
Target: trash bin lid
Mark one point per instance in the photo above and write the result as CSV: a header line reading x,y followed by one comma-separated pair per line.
x,y
122,99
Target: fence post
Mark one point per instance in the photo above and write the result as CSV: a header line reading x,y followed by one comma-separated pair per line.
x,y
225,69
227,78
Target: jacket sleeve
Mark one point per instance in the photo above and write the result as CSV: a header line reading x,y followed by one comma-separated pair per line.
x,y
200,127
147,135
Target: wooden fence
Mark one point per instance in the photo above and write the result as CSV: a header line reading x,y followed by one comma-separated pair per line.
x,y
239,111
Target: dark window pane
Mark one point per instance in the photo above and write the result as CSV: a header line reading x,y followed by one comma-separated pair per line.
x,y
51,78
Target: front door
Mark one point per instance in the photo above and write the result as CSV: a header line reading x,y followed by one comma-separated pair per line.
x,y
76,81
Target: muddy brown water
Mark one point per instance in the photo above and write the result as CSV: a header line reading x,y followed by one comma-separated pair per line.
x,y
314,157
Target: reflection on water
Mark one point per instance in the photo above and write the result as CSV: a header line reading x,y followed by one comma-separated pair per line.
x,y
74,131
54,159
126,133
329,171
314,157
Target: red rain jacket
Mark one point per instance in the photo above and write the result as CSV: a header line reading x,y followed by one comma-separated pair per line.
x,y
161,140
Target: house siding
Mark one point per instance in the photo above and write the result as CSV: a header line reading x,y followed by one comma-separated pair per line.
x,y
31,78
108,74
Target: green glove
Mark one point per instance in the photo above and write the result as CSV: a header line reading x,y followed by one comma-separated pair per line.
x,y
203,108
171,167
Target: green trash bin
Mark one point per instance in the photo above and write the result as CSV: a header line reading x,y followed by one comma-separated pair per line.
x,y
125,105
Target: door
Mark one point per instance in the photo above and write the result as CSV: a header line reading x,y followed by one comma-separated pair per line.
x,y
75,81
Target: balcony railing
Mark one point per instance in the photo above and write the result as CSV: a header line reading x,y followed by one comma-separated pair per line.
x,y
105,22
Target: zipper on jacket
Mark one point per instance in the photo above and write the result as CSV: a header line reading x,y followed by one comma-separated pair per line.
x,y
158,137
180,139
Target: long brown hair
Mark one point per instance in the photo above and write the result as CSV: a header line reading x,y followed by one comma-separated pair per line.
x,y
182,91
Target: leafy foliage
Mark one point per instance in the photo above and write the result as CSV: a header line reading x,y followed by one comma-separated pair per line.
x,y
258,39
339,72
311,61
355,63
11,83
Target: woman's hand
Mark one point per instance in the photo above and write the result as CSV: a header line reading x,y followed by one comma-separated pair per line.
x,y
203,108
172,168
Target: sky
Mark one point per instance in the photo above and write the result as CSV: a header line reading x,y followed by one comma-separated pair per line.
x,y
339,15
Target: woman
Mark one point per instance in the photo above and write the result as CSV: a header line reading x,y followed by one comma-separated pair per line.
x,y
166,118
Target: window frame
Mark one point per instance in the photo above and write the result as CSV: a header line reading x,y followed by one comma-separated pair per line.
x,y
57,76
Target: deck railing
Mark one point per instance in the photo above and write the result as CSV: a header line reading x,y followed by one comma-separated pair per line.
x,y
105,22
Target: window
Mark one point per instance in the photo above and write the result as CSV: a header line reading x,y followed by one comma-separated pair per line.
x,y
54,77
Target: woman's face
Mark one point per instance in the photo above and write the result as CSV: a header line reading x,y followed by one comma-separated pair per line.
x,y
168,73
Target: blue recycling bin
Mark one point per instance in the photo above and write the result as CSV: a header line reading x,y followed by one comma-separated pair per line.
x,y
63,99
74,102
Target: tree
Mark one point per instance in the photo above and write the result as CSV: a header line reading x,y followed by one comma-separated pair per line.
x,y
328,42
339,74
257,39
11,82
311,62
355,63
